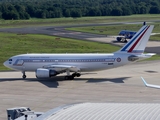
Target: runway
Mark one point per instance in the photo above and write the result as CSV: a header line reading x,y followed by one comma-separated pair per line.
x,y
120,85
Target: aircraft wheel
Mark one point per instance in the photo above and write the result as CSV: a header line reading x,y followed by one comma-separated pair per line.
x,y
69,77
78,75
125,41
66,77
74,74
119,39
24,76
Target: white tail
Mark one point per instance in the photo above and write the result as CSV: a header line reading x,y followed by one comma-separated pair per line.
x,y
138,42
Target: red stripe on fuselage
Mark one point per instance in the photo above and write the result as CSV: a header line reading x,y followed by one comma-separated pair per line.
x,y
130,50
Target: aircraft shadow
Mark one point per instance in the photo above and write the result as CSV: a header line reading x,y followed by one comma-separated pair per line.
x,y
54,82
151,71
99,80
115,41
51,83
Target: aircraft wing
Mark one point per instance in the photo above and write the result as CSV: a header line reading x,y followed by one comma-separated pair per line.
x,y
62,68
150,85
117,36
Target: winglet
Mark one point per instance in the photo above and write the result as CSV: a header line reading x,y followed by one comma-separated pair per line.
x,y
150,85
144,82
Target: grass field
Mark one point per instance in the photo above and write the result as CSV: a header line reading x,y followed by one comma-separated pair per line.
x,y
82,20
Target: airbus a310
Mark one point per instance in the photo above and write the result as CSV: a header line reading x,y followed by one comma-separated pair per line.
x,y
49,65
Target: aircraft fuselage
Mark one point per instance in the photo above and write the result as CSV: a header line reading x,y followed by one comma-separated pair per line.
x,y
85,62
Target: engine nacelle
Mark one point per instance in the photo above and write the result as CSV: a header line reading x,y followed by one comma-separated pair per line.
x,y
45,73
133,58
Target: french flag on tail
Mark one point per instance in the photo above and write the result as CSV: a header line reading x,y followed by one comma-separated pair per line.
x,y
138,42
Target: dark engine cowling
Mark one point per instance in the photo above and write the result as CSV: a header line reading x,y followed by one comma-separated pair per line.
x,y
133,58
45,73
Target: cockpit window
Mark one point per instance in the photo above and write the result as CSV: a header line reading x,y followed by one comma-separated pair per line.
x,y
10,59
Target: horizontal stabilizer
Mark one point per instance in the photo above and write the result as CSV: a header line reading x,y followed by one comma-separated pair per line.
x,y
150,54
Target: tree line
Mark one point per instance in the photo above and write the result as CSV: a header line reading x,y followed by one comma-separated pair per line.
x,y
26,9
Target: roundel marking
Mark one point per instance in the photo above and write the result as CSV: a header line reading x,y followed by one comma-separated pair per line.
x,y
118,59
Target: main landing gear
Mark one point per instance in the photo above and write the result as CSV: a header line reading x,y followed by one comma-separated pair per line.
x,y
71,77
24,75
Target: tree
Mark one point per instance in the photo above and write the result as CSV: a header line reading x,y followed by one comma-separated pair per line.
x,y
67,13
94,12
10,15
143,10
43,15
76,13
19,8
117,12
31,10
26,15
0,15
154,10
24,9
126,11
58,13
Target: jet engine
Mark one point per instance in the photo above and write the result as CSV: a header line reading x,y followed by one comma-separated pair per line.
x,y
133,58
45,73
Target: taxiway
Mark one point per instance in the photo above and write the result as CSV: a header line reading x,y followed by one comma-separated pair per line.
x,y
119,85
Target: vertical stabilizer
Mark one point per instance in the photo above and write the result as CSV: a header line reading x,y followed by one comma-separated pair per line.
x,y
138,42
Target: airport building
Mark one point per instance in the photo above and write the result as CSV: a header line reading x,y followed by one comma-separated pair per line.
x,y
93,111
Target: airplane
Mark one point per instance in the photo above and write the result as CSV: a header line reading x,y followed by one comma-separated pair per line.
x,y
49,65
150,85
125,34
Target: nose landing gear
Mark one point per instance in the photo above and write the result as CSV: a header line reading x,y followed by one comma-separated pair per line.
x,y
24,75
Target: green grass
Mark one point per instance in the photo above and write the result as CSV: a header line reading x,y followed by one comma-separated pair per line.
x,y
115,29
155,57
82,20
106,29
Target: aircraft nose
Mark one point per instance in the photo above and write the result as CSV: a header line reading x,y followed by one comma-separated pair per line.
x,y
5,63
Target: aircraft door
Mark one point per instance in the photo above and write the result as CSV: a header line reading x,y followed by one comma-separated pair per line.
x,y
20,62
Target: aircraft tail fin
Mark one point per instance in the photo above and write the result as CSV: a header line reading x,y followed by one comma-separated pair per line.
x,y
138,42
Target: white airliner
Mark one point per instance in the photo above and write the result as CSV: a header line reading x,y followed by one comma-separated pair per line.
x,y
48,65
150,85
